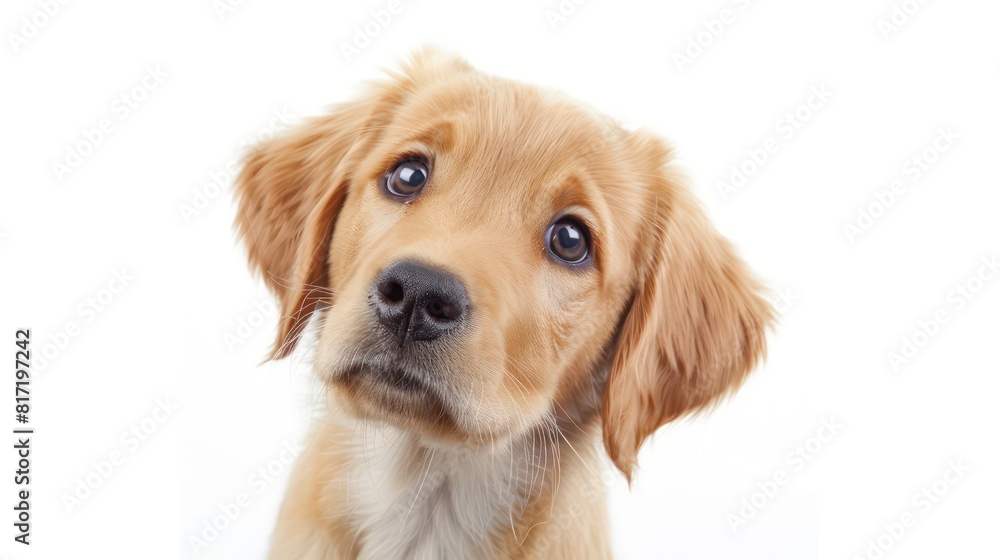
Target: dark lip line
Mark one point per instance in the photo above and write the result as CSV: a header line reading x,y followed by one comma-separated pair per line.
x,y
356,375
422,404
397,377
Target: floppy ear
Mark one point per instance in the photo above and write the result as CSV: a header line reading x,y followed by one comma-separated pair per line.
x,y
290,191
696,324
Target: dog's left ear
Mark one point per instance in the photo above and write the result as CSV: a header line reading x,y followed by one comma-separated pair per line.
x,y
696,325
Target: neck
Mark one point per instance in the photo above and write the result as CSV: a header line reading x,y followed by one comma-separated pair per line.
x,y
419,500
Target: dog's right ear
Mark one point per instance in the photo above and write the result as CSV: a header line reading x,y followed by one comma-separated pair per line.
x,y
291,190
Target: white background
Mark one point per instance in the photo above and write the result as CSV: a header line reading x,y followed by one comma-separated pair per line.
x,y
164,335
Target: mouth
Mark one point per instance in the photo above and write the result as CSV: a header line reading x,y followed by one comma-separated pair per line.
x,y
398,396
390,388
394,377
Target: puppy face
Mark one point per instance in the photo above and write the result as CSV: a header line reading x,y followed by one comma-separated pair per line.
x,y
483,256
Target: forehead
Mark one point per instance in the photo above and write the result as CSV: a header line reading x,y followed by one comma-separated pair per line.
x,y
498,142
496,120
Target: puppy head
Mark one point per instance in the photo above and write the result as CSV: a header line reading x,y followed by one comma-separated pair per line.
x,y
483,256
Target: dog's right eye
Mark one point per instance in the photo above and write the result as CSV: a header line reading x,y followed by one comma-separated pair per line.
x,y
407,178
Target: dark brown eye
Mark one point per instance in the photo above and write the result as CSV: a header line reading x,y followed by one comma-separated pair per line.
x,y
407,178
567,240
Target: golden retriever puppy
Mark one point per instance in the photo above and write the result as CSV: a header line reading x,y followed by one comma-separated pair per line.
x,y
504,285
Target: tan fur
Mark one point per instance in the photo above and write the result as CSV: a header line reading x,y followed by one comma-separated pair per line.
x,y
661,323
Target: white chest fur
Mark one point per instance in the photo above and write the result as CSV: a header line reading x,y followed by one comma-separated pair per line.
x,y
411,501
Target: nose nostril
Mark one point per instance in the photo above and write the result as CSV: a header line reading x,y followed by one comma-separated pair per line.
x,y
392,291
442,310
415,302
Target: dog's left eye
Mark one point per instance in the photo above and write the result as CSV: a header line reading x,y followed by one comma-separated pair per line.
x,y
567,240
407,178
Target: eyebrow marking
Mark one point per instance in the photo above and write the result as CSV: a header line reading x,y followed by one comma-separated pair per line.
x,y
439,136
575,193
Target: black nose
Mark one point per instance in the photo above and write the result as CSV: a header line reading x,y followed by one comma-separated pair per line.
x,y
417,302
